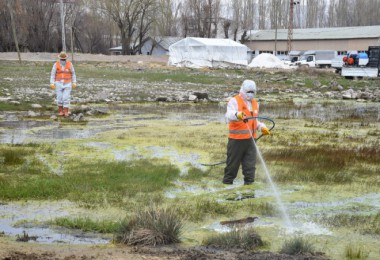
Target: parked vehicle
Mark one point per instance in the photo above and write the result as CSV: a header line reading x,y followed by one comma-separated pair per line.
x,y
293,57
321,59
362,64
337,64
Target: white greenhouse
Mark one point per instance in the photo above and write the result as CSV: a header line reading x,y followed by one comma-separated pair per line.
x,y
204,52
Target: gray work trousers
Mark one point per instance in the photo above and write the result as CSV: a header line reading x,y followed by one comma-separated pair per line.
x,y
240,151
63,91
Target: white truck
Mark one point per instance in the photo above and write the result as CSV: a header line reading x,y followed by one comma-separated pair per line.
x,y
363,67
337,64
319,59
293,57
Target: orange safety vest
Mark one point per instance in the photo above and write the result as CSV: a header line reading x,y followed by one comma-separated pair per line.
x,y
64,74
239,129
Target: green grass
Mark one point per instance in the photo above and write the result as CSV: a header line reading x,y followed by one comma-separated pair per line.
x,y
87,224
321,164
353,251
199,208
246,239
297,246
92,182
364,224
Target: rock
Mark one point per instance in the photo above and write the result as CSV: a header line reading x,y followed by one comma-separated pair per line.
x,y
53,117
36,106
192,98
161,99
365,95
79,117
14,102
201,95
32,114
317,83
324,87
334,83
8,79
337,88
347,96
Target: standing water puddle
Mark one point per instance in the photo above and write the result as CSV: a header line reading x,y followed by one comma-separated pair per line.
x,y
18,219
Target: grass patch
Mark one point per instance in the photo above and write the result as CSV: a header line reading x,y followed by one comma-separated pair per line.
x,y
297,246
151,75
199,208
93,183
265,209
14,155
356,252
246,239
87,224
321,164
365,224
151,226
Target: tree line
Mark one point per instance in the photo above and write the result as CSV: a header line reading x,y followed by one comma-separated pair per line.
x,y
94,26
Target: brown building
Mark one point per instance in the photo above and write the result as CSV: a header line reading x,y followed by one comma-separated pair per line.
x,y
340,39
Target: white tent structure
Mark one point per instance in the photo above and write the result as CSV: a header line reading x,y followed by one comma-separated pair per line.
x,y
204,52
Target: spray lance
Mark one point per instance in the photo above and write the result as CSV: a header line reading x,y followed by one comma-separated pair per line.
x,y
245,121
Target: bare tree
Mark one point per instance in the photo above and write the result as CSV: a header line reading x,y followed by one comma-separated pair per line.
x,y
201,17
166,18
126,14
145,21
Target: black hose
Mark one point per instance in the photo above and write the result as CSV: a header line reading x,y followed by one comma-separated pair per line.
x,y
247,118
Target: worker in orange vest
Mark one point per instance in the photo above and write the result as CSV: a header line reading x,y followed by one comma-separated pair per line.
x,y
63,79
240,148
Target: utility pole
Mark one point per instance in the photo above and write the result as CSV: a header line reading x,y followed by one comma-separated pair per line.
x,y
14,29
290,26
277,3
72,44
63,28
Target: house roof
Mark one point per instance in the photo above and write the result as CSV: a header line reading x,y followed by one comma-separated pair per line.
x,y
165,42
196,41
332,33
162,41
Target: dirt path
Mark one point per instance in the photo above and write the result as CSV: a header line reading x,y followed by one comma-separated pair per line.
x,y
43,56
31,251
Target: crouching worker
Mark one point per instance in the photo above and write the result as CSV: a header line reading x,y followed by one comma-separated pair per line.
x,y
63,79
240,148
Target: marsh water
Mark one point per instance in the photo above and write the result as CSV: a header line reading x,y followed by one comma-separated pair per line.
x,y
17,129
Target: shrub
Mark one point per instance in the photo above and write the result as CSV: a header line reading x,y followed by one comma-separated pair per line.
x,y
245,239
297,246
355,252
151,226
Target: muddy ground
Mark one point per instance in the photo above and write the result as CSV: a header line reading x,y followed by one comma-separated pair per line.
x,y
11,251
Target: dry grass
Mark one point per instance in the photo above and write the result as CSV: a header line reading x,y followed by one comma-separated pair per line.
x,y
152,226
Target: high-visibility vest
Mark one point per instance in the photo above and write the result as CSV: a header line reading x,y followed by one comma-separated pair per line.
x,y
241,130
63,74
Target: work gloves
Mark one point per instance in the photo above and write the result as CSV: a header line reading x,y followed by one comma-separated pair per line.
x,y
265,131
240,115
52,85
